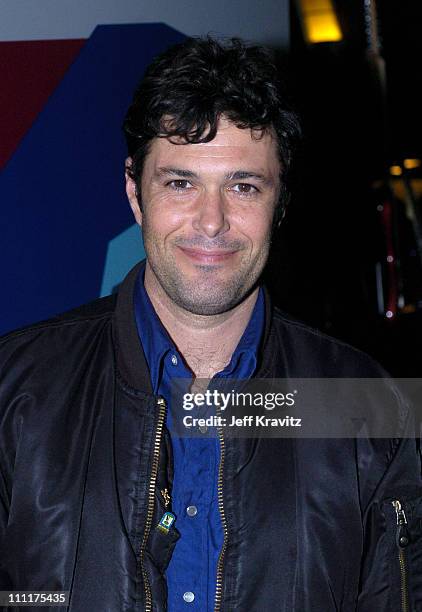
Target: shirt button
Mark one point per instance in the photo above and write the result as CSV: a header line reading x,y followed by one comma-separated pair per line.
x,y
174,360
203,428
188,596
191,510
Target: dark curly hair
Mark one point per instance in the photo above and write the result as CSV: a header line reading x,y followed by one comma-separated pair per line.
x,y
194,83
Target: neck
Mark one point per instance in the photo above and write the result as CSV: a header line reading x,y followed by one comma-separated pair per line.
x,y
206,342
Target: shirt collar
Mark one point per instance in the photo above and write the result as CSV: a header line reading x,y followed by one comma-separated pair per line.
x,y
154,337
246,352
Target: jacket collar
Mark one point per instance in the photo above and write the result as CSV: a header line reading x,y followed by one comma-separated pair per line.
x,y
131,361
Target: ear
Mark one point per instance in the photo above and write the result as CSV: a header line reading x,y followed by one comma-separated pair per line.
x,y
131,192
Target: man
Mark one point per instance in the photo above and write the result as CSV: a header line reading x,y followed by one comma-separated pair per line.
x,y
98,496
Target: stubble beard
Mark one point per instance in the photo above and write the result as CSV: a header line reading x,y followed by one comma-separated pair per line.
x,y
211,295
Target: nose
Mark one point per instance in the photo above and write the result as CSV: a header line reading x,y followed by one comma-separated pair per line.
x,y
211,216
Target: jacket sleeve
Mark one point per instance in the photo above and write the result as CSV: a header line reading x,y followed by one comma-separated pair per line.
x,y
9,439
4,515
391,571
4,505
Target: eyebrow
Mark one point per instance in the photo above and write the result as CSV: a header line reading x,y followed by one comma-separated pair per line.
x,y
166,171
230,176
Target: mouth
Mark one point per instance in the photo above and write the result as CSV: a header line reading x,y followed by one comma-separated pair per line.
x,y
204,256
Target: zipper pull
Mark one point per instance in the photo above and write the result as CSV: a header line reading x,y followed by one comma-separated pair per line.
x,y
403,537
166,497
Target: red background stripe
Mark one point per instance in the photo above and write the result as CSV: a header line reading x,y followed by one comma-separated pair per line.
x,y
29,73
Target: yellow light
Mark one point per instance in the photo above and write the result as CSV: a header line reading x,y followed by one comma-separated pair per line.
x,y
395,170
400,191
320,21
409,164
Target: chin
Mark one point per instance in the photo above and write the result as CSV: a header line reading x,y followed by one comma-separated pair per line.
x,y
206,309
208,302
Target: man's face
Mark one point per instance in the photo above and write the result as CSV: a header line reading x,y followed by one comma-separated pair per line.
x,y
206,216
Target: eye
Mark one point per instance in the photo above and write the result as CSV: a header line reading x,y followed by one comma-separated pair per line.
x,y
244,189
180,184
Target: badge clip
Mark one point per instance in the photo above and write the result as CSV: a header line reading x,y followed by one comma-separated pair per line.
x,y
166,522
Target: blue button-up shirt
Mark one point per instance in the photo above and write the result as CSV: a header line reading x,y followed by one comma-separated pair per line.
x,y
193,566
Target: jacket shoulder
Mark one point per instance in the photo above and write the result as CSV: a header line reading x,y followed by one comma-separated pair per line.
x,y
330,356
95,310
40,359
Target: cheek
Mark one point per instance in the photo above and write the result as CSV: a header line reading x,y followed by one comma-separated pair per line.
x,y
257,228
161,221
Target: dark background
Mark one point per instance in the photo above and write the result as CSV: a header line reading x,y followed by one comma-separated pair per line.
x,y
323,264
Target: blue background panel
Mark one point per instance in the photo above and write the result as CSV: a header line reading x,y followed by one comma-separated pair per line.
x,y
62,193
123,252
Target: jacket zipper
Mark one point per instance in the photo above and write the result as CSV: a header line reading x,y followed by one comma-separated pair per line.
x,y
402,541
219,581
161,404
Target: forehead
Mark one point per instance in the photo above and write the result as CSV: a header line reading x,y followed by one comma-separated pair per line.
x,y
232,147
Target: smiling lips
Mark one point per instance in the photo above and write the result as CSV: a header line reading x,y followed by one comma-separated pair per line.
x,y
207,257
